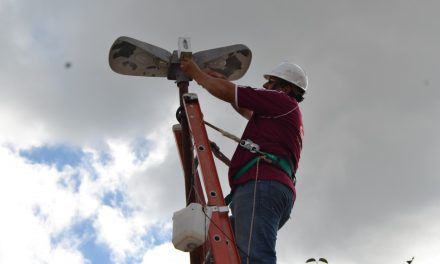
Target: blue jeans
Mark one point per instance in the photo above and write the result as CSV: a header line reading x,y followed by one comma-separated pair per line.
x,y
273,205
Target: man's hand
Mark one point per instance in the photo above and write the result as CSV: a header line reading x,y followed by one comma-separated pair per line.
x,y
190,68
214,82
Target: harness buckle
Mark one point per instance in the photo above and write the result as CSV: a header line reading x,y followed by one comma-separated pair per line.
x,y
249,145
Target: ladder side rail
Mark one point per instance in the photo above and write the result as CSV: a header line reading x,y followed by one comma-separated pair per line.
x,y
220,233
197,188
198,255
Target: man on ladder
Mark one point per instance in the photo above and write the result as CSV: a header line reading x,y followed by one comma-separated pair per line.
x,y
262,170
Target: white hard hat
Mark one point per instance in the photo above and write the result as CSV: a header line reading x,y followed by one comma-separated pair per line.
x,y
290,72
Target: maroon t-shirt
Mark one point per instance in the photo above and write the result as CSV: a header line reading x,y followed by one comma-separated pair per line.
x,y
276,126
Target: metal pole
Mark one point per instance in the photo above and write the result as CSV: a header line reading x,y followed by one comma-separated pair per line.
x,y
188,158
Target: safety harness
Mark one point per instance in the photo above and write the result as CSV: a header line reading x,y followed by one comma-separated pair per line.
x,y
282,163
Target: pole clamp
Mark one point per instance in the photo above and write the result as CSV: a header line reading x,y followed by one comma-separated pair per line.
x,y
220,209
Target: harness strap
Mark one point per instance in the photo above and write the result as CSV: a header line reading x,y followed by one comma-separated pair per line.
x,y
283,164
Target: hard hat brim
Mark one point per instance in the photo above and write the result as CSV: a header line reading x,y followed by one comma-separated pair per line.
x,y
267,76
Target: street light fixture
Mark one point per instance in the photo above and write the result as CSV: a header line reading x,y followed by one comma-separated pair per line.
x,y
129,56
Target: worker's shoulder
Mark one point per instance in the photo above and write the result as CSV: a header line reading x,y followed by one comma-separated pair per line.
x,y
257,90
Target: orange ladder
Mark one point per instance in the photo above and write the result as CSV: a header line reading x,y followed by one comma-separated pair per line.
x,y
191,136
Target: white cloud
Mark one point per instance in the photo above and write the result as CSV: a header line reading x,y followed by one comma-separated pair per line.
x,y
34,210
12,129
67,256
165,253
40,208
119,233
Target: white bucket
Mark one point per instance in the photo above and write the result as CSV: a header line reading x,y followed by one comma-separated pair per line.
x,y
190,227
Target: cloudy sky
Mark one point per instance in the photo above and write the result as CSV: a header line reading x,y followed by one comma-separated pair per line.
x,y
88,165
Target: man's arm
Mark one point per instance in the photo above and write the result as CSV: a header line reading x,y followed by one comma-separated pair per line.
x,y
220,88
215,83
